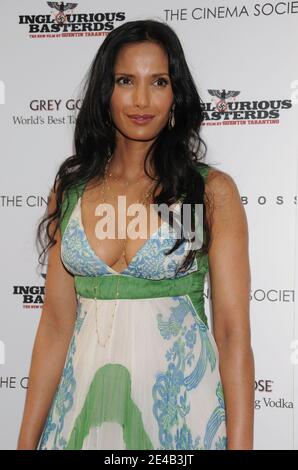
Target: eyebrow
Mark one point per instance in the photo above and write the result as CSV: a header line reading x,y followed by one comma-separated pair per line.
x,y
131,75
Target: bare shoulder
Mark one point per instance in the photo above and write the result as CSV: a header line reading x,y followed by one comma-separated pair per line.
x,y
221,187
225,211
59,308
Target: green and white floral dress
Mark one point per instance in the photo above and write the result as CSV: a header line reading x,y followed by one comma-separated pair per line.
x,y
156,384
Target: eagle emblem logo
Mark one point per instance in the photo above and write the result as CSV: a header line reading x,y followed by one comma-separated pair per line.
x,y
62,7
223,96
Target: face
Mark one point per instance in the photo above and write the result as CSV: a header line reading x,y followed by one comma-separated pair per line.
x,y
142,87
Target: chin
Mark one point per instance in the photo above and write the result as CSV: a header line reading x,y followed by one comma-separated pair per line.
x,y
141,134
144,137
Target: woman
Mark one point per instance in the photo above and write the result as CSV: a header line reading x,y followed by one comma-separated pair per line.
x,y
123,356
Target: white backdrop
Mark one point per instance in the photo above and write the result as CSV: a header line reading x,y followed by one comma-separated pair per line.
x,y
246,47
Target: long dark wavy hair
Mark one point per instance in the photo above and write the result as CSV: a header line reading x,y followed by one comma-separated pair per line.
x,y
175,153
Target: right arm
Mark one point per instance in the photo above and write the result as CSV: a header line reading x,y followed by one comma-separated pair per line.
x,y
51,343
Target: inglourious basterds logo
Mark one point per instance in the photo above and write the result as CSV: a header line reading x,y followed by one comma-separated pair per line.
x,y
31,296
225,108
63,20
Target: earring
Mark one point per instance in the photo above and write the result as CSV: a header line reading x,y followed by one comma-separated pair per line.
x,y
171,121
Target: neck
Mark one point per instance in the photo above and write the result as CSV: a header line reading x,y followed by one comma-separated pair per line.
x,y
128,160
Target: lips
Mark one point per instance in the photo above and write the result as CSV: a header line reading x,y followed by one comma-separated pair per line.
x,y
141,116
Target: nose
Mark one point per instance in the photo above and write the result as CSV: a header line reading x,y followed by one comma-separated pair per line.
x,y
141,95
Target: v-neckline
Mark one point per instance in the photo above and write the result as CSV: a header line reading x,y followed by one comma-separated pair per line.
x,y
113,271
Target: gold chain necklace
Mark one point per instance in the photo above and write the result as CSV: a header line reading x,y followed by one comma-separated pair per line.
x,y
126,183
143,201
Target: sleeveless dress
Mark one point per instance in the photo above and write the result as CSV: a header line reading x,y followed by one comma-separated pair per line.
x,y
156,383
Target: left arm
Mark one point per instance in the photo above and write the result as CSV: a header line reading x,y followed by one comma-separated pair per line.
x,y
230,288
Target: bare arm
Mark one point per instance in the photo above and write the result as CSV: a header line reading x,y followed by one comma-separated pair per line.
x,y
230,286
50,346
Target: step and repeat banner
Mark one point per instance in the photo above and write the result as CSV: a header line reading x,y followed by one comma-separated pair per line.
x,y
243,56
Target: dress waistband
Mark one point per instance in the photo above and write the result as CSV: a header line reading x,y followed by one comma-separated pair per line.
x,y
129,287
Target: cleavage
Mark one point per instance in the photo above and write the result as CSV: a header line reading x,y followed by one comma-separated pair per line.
x,y
109,250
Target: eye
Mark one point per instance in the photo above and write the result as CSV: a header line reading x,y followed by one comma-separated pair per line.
x,y
124,81
163,80
121,78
